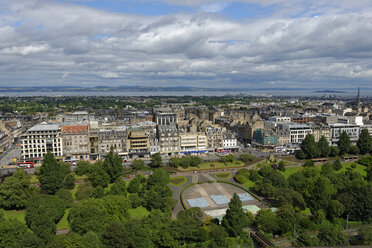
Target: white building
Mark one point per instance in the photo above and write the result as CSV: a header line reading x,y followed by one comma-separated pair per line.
x,y
280,119
351,129
193,143
297,132
39,140
229,141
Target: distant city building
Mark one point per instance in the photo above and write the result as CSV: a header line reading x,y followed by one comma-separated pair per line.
x,y
169,140
75,142
351,129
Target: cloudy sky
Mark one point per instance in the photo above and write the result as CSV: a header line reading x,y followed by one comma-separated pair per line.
x,y
205,43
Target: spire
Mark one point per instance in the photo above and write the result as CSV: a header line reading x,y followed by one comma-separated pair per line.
x,y
358,99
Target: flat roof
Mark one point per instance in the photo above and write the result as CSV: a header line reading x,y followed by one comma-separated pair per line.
x,y
44,127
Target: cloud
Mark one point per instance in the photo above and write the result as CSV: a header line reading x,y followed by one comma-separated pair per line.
x,y
198,49
214,7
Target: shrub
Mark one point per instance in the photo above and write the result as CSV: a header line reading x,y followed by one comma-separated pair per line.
x,y
135,200
354,150
240,179
253,175
69,181
309,163
83,168
84,191
246,158
66,197
337,165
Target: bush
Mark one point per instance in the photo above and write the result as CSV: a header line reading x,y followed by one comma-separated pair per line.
x,y
66,197
138,164
281,166
254,176
240,179
83,168
246,158
135,200
337,165
309,163
366,161
333,151
84,191
354,150
69,181
300,155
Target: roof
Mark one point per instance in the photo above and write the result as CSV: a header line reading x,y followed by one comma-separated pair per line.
x,y
44,127
76,129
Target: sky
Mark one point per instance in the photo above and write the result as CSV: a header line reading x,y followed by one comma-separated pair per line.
x,y
200,43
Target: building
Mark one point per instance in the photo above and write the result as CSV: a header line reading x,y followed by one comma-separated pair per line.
x,y
154,143
284,137
191,143
75,142
41,139
138,143
297,132
4,141
351,129
93,144
214,138
165,118
169,140
279,119
112,138
303,119
229,141
265,138
319,130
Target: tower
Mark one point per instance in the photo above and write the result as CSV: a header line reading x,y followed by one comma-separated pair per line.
x,y
358,99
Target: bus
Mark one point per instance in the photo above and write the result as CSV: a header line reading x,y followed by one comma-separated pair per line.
x,y
26,165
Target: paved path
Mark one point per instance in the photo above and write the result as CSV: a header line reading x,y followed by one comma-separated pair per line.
x,y
209,177
195,179
223,191
205,195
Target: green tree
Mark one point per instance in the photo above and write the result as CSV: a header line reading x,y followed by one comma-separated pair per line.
x,y
44,227
364,142
69,181
51,174
159,177
138,164
99,177
84,191
30,240
174,162
344,143
15,191
10,233
286,218
333,152
354,150
309,147
246,158
83,168
119,188
309,163
116,236
337,165
187,227
318,193
235,219
266,221
323,147
218,237
156,160
365,233
66,196
113,165
332,236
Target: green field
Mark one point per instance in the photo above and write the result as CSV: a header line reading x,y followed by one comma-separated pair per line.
x,y
19,215
178,181
138,213
63,223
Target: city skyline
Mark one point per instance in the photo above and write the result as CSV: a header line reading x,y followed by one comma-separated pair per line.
x,y
245,43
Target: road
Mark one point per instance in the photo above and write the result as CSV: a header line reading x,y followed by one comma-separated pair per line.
x,y
12,152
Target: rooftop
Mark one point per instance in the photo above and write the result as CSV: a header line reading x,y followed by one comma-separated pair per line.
x,y
44,127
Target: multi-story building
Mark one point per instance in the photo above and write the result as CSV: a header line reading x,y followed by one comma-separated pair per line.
x,y
303,119
4,141
214,138
165,118
280,119
93,144
41,139
138,143
284,137
168,136
351,129
297,132
154,143
319,130
75,142
112,138
191,143
265,138
229,141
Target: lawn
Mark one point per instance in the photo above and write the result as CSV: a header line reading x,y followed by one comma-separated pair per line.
x,y
178,181
248,184
34,179
223,175
63,223
138,213
19,215
212,165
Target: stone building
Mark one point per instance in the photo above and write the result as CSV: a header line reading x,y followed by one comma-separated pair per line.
x,y
75,142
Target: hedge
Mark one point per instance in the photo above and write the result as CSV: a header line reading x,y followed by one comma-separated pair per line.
x,y
181,196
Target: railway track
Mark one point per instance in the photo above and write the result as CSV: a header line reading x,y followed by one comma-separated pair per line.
x,y
261,241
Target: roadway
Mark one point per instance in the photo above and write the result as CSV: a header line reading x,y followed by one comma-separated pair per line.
x,y
8,156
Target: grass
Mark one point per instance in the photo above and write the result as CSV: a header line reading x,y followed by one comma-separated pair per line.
x,y
14,214
34,179
73,191
178,181
248,184
63,223
82,177
212,165
138,213
223,175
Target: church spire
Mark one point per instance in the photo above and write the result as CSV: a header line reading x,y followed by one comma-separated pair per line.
x,y
358,99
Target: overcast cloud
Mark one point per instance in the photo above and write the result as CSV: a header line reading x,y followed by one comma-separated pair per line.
x,y
294,44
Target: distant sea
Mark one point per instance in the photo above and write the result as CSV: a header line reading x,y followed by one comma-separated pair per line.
x,y
268,93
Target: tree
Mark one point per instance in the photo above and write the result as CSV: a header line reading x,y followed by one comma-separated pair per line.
x,y
83,168
10,233
119,188
286,218
138,164
235,219
337,165
99,177
333,152
364,142
116,236
44,227
354,150
334,209
51,174
84,191
187,227
174,162
113,165
15,191
365,233
266,221
69,181
309,146
30,240
136,183
309,163
66,196
344,143
246,158
300,154
219,236
156,160
332,236
318,193
323,147
281,166
159,177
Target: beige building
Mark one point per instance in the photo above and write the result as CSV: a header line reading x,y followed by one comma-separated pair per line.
x,y
321,130
169,140
75,142
117,139
138,143
191,143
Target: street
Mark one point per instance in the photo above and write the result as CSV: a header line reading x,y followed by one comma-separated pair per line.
x,y
12,152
